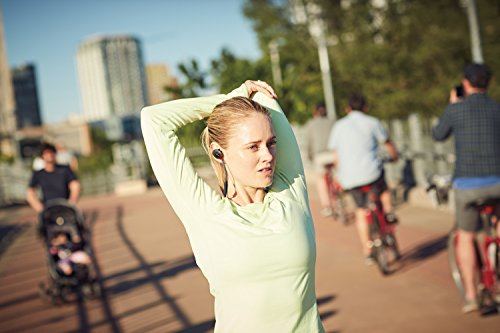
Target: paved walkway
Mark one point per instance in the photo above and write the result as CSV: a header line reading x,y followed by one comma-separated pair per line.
x,y
151,283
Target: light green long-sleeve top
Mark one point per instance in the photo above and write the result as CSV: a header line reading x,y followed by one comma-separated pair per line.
x,y
259,259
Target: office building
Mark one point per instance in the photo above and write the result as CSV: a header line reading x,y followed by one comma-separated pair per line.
x,y
111,76
158,78
26,96
7,104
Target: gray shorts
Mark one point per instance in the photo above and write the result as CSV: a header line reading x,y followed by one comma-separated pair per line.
x,y
360,197
467,217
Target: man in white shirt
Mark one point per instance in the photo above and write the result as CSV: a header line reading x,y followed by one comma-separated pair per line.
x,y
355,140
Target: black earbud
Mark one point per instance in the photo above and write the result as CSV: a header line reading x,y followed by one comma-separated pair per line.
x,y
218,154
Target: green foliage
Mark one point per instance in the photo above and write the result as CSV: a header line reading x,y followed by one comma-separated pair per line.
x,y
6,159
404,57
189,135
102,156
195,83
229,71
489,16
408,63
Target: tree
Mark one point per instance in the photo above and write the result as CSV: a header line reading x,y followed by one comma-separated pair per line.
x,y
404,55
102,156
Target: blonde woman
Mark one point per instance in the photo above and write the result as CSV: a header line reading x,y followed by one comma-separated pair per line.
x,y
254,242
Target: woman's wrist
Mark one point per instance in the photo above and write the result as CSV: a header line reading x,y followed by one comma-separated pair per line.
x,y
260,86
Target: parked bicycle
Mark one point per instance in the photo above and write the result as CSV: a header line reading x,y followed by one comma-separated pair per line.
x,y
336,195
382,232
487,248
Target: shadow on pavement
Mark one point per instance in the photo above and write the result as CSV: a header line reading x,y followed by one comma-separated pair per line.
x,y
422,252
180,265
19,300
106,306
325,300
203,327
8,233
154,273
153,278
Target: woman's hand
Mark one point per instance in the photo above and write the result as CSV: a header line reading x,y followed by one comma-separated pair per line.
x,y
263,87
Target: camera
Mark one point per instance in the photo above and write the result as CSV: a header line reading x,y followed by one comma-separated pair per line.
x,y
460,91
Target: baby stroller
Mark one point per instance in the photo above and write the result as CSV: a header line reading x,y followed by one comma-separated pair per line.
x,y
62,222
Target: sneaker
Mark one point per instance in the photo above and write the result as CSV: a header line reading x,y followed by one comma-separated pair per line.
x,y
369,260
327,211
470,306
391,218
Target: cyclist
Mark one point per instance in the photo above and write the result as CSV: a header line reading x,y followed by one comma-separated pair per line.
x,y
355,140
56,181
317,130
474,121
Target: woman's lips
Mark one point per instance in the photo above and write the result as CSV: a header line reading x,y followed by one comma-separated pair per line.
x,y
266,170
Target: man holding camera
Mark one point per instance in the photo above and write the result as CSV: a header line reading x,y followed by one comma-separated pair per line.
x,y
474,120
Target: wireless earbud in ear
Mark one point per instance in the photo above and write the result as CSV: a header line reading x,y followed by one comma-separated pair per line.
x,y
218,154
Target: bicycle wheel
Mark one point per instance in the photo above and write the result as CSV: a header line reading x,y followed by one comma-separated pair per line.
x,y
392,243
494,259
452,260
379,248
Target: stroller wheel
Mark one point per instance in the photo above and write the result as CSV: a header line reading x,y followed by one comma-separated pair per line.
x,y
87,290
65,294
43,291
55,297
91,290
96,289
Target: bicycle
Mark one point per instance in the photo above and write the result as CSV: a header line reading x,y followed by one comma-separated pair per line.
x,y
336,196
382,237
487,247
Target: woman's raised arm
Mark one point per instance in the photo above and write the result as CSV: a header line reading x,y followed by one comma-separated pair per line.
x,y
185,190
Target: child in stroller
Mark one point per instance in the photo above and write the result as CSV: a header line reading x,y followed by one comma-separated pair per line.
x,y
70,267
68,253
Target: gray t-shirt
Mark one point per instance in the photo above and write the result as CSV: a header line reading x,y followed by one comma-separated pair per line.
x,y
356,139
317,132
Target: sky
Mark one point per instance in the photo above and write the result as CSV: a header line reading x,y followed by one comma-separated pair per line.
x,y
48,32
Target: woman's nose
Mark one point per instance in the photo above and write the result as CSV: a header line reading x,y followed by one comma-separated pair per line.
x,y
267,154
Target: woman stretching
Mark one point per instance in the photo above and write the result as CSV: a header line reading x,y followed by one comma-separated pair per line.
x,y
254,243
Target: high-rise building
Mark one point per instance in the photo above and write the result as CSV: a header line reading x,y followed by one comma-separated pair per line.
x,y
111,75
7,104
26,96
159,77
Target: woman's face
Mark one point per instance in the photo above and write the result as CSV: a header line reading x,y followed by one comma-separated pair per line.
x,y
251,151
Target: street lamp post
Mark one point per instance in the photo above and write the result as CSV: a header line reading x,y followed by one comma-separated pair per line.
x,y
475,37
275,62
310,14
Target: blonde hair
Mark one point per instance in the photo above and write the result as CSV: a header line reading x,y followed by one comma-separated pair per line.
x,y
221,124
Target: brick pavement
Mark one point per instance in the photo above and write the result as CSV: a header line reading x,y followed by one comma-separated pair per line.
x,y
151,282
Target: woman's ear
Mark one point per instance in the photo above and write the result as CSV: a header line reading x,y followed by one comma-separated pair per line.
x,y
217,152
214,145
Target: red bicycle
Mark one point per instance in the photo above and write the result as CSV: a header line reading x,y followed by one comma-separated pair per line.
x,y
336,195
487,245
382,237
